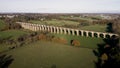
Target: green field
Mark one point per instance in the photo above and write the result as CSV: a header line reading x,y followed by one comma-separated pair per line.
x,y
96,27
2,24
82,18
56,22
47,54
99,28
3,47
77,18
12,33
87,42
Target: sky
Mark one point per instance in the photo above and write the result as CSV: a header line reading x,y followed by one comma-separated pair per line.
x,y
60,6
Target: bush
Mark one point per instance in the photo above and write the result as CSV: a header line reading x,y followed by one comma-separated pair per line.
x,y
62,40
84,24
42,37
104,57
59,40
75,43
54,39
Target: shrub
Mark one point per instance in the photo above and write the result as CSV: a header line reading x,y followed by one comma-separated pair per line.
x,y
50,37
62,40
84,24
55,39
75,43
106,46
59,40
42,37
104,57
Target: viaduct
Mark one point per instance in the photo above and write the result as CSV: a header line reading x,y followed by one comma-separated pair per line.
x,y
62,30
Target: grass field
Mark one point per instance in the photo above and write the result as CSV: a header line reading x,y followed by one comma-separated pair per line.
x,y
82,18
46,54
77,18
3,47
13,33
99,28
42,54
2,24
56,22
96,27
87,42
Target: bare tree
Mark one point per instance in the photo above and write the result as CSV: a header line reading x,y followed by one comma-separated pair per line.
x,y
116,26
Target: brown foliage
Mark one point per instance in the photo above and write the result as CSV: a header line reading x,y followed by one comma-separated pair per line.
x,y
104,57
116,26
62,40
106,46
75,43
42,37
59,40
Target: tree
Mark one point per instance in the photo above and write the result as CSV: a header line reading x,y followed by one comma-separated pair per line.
x,y
5,61
116,26
109,27
108,54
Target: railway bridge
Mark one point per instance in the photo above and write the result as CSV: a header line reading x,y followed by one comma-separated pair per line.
x,y
62,30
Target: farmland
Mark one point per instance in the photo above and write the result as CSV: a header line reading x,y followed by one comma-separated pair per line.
x,y
47,55
42,49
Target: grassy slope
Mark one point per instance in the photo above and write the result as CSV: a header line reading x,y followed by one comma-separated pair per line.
x,y
1,24
62,22
82,18
9,33
13,33
76,18
56,22
45,54
99,28
87,42
3,47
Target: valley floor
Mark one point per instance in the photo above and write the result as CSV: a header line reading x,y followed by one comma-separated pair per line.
x,y
43,54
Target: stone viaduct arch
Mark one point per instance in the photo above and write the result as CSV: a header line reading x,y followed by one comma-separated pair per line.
x,y
62,30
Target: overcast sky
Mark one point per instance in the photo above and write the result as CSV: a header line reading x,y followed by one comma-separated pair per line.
x,y
60,6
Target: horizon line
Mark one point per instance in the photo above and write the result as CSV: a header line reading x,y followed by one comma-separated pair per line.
x,y
64,12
